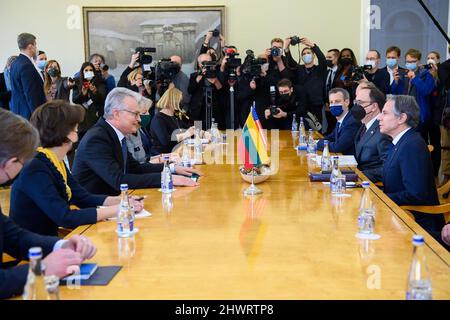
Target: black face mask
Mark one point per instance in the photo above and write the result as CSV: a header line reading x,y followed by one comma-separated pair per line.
x,y
330,64
358,112
345,62
284,98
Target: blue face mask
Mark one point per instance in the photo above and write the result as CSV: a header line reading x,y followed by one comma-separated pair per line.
x,y
41,64
411,66
336,110
308,58
391,63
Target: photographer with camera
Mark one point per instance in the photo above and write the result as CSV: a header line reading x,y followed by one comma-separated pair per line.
x,y
254,86
206,45
375,74
394,75
433,62
90,92
55,86
181,81
283,106
420,84
202,83
443,105
277,61
310,76
141,79
228,76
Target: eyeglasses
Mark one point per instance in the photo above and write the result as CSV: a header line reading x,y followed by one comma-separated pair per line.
x,y
136,114
361,103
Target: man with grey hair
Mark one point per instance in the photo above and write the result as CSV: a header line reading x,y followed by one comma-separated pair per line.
x,y
342,138
408,171
102,162
27,88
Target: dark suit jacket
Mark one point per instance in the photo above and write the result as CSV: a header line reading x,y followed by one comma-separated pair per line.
x,y
5,94
26,87
409,180
371,151
16,242
344,141
382,79
39,201
99,165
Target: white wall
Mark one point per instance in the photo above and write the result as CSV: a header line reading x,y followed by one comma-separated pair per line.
x,y
248,24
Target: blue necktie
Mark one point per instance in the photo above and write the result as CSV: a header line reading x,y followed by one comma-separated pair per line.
x,y
338,129
124,154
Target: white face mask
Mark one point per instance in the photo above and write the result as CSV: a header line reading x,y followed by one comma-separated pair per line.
x,y
89,75
265,67
371,63
431,61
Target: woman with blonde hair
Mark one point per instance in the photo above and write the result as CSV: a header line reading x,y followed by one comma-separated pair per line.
x,y
55,86
170,121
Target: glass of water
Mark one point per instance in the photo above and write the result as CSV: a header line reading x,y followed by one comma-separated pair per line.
x,y
340,184
367,222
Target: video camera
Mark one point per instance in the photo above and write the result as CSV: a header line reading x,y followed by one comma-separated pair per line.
x,y
232,63
357,73
210,67
251,68
166,70
145,59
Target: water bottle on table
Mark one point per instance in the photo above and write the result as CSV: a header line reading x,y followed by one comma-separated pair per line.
x,y
294,124
326,159
311,146
166,177
125,215
301,136
366,218
419,280
35,288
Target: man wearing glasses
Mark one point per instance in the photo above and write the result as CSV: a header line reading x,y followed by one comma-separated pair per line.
x,y
371,146
102,161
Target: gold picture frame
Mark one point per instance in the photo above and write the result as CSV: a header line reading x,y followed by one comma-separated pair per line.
x,y
115,32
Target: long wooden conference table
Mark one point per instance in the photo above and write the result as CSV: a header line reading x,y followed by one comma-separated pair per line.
x,y
295,241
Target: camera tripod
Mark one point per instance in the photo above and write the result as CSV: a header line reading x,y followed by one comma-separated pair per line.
x,y
208,95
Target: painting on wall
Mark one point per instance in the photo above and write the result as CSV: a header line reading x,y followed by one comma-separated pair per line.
x,y
116,32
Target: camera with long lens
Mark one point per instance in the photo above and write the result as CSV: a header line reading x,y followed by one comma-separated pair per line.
x,y
273,98
251,68
276,52
232,63
145,59
295,40
210,68
165,72
357,73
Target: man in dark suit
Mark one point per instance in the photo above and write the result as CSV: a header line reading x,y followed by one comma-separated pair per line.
x,y
26,84
408,171
342,138
376,75
18,140
394,76
371,146
309,76
102,161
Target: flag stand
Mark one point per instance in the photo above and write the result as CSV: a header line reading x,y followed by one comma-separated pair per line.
x,y
253,189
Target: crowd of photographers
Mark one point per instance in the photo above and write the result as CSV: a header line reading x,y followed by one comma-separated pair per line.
x,y
226,83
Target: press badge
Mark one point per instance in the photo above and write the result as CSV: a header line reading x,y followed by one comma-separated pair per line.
x,y
87,104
